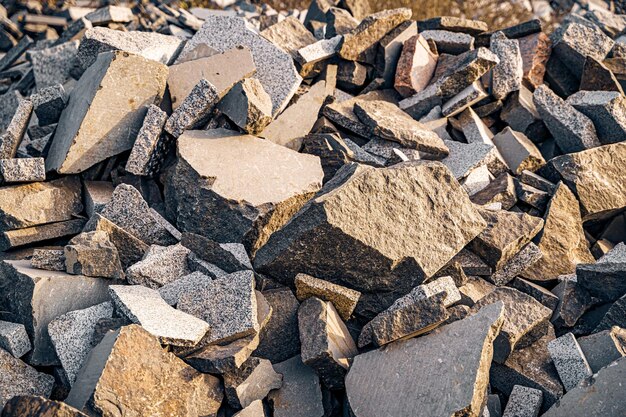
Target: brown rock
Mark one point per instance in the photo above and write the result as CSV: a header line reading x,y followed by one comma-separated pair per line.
x,y
535,49
33,406
343,299
250,382
29,235
501,190
92,254
289,35
519,152
416,66
248,106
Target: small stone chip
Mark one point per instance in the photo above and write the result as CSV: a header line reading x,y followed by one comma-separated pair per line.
x,y
150,146
49,259
248,106
160,266
48,104
18,170
11,138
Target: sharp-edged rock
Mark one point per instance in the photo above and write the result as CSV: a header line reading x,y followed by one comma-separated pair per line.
x,y
343,299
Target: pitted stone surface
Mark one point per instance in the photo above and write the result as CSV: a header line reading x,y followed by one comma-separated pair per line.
x,y
14,339
160,266
18,378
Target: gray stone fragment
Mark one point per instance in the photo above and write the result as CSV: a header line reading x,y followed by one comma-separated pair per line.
x,y
110,14
230,257
52,66
539,293
8,105
172,291
144,306
604,281
465,157
607,111
506,77
523,402
447,42
275,68
318,51
17,170
18,378
454,24
97,195
48,104
27,236
194,110
516,265
74,31
72,336
250,382
160,266
572,130
248,106
227,304
255,409
14,339
573,42
466,98
301,394
11,138
615,255
603,348
569,360
48,259
15,53
280,337
149,149
615,316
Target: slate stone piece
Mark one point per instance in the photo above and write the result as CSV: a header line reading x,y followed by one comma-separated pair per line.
x,y
19,170
53,65
72,336
606,109
92,254
603,348
416,66
160,266
275,68
11,138
523,402
21,237
569,360
48,104
238,205
525,320
36,406
506,77
562,242
18,378
600,194
327,345
343,299
127,371
227,304
604,281
148,150
14,53
462,371
37,297
150,45
371,264
106,120
128,210
144,306
250,382
301,394
614,316
14,339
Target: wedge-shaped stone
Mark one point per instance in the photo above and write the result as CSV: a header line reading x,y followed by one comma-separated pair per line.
x,y
416,66
235,203
327,346
525,320
129,248
130,371
605,281
230,257
160,266
333,151
569,360
36,406
466,98
255,409
597,178
18,378
562,241
144,306
387,121
102,119
36,297
39,203
301,394
150,146
382,256
227,304
377,379
343,299
466,157
21,237
536,49
359,45
275,68
526,257
10,139
92,254
519,152
195,110
500,190
248,106
250,382
607,110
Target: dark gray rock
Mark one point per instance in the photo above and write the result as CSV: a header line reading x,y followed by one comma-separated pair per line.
x,y
48,104
447,42
20,379
195,109
301,394
250,382
603,348
280,338
604,281
606,109
523,402
160,266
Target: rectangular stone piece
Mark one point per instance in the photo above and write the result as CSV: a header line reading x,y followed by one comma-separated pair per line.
x,y
194,110
147,153
523,402
20,237
22,170
10,140
14,339
569,360
48,259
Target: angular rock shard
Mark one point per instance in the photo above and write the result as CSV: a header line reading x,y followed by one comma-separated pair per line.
x,y
92,254
343,299
18,378
301,394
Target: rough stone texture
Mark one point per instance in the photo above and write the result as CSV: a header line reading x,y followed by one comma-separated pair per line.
x,y
92,254
22,170
572,130
248,106
318,51
526,257
415,67
110,14
53,65
289,35
144,306
102,120
228,304
11,138
447,42
600,396
536,50
442,284
466,157
280,338
128,210
332,150
129,248
250,382
289,251
562,241
466,98
148,150
14,339
506,234
359,45
519,152
603,348
343,299
230,257
569,360
275,68
596,179
18,378
301,394
500,190
327,345
184,76
339,22
36,297
378,378
9,103
150,45
130,375
506,77
195,110
597,77
235,203
453,24
388,122
523,402
195,281
255,409
520,113
606,109
72,336
35,406
614,316
604,281
160,266
21,237
390,49
525,320
539,293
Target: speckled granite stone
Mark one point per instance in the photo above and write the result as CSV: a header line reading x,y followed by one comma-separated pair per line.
x,y
48,259
569,360
160,266
17,170
194,110
150,146
18,378
14,339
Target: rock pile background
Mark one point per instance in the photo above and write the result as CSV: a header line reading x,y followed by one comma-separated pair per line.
x,y
327,211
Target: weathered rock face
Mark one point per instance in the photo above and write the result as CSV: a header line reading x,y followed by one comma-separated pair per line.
x,y
215,189
102,120
280,337
416,66
129,374
92,254
379,378
596,177
343,299
35,406
382,257
250,382
17,378
562,241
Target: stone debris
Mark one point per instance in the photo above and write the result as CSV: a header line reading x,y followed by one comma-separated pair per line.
x,y
245,210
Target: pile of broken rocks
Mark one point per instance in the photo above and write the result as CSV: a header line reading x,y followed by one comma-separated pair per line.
x,y
327,212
